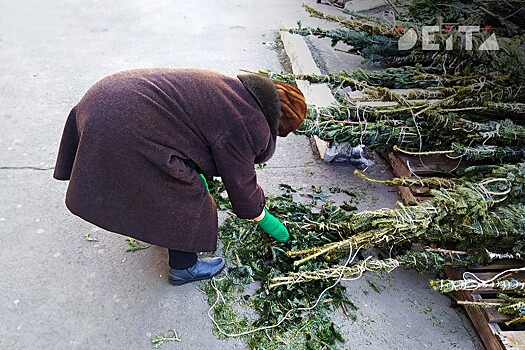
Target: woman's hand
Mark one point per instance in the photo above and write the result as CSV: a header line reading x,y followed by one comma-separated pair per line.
x,y
205,182
271,225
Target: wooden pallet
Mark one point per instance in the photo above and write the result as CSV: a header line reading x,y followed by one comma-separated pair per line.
x,y
488,322
408,166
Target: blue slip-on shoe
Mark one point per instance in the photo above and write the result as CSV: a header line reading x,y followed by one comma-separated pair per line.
x,y
203,269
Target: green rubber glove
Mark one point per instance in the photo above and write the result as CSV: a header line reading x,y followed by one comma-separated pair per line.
x,y
271,225
205,182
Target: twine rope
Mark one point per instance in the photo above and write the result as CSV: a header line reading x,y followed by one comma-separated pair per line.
x,y
351,256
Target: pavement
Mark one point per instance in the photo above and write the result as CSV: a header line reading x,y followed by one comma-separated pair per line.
x,y
59,290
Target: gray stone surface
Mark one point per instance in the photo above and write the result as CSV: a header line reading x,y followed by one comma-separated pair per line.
x,y
61,291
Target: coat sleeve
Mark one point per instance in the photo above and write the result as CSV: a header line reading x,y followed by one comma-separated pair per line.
x,y
68,149
234,158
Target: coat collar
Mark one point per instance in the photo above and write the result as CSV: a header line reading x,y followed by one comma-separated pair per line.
x,y
265,94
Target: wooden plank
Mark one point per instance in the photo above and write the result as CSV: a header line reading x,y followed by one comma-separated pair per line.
x,y
399,168
487,320
364,5
300,55
486,331
406,195
319,146
493,316
420,191
409,166
513,339
437,165
500,265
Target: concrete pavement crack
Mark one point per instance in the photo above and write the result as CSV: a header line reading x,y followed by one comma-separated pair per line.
x,y
25,167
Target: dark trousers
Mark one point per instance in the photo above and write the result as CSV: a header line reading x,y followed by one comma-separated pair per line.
x,y
180,260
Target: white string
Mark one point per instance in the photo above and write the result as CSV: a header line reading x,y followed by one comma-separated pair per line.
x,y
494,256
351,257
471,274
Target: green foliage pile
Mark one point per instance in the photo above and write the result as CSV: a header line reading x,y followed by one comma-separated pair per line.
x,y
254,259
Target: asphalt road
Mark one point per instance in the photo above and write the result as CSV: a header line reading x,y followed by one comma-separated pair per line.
x,y
59,290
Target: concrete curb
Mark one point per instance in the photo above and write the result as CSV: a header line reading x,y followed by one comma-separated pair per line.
x,y
303,63
364,5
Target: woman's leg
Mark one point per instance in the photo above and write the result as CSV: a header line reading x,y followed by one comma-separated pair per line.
x,y
186,267
180,260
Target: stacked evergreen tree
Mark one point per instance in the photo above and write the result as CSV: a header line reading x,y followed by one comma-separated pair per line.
x,y
464,103
467,102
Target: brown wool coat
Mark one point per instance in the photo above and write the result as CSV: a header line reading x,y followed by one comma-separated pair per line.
x,y
133,146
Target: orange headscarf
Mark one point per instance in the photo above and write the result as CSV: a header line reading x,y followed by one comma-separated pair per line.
x,y
293,107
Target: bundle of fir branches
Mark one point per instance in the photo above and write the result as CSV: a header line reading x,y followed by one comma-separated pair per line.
x,y
473,220
280,295
287,317
466,103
